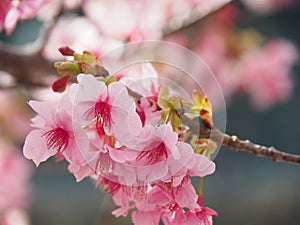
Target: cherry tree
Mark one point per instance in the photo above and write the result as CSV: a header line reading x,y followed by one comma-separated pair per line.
x,y
130,98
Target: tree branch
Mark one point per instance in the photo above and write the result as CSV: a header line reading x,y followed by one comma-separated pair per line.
x,y
27,67
240,145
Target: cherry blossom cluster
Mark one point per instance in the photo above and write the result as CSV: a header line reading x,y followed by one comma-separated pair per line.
x,y
132,147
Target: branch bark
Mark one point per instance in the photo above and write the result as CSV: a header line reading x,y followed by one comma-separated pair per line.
x,y
240,145
26,67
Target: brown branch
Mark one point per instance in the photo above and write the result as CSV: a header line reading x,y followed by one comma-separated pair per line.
x,y
26,67
240,145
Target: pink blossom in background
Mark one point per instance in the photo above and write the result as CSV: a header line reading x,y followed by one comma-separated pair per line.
x,y
233,54
14,114
14,10
212,48
266,73
15,172
68,31
147,18
15,216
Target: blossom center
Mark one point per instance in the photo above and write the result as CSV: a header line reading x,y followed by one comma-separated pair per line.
x,y
154,155
103,113
57,139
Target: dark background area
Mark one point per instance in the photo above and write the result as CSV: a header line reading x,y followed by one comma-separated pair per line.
x,y
244,190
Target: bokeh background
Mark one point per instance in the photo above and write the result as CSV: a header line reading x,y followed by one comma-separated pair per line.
x,y
244,190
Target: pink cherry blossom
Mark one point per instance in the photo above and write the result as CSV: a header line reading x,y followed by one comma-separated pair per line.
x,y
150,162
179,205
189,163
54,135
110,108
148,111
142,79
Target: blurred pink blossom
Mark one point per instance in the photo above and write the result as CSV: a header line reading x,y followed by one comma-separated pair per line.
x,y
14,114
15,216
78,33
146,18
243,63
14,10
15,172
51,8
266,73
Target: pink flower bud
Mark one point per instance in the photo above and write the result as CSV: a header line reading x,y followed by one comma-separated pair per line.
x,y
60,84
66,51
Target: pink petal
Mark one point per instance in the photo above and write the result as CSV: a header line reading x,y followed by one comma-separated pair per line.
x,y
122,156
45,110
35,147
11,20
186,196
81,172
176,164
89,89
146,218
200,166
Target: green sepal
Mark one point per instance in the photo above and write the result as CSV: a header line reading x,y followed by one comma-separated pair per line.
x,y
67,68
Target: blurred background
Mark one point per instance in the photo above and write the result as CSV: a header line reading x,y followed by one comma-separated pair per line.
x,y
251,47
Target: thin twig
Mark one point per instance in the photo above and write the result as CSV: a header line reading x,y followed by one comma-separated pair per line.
x,y
26,67
240,145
